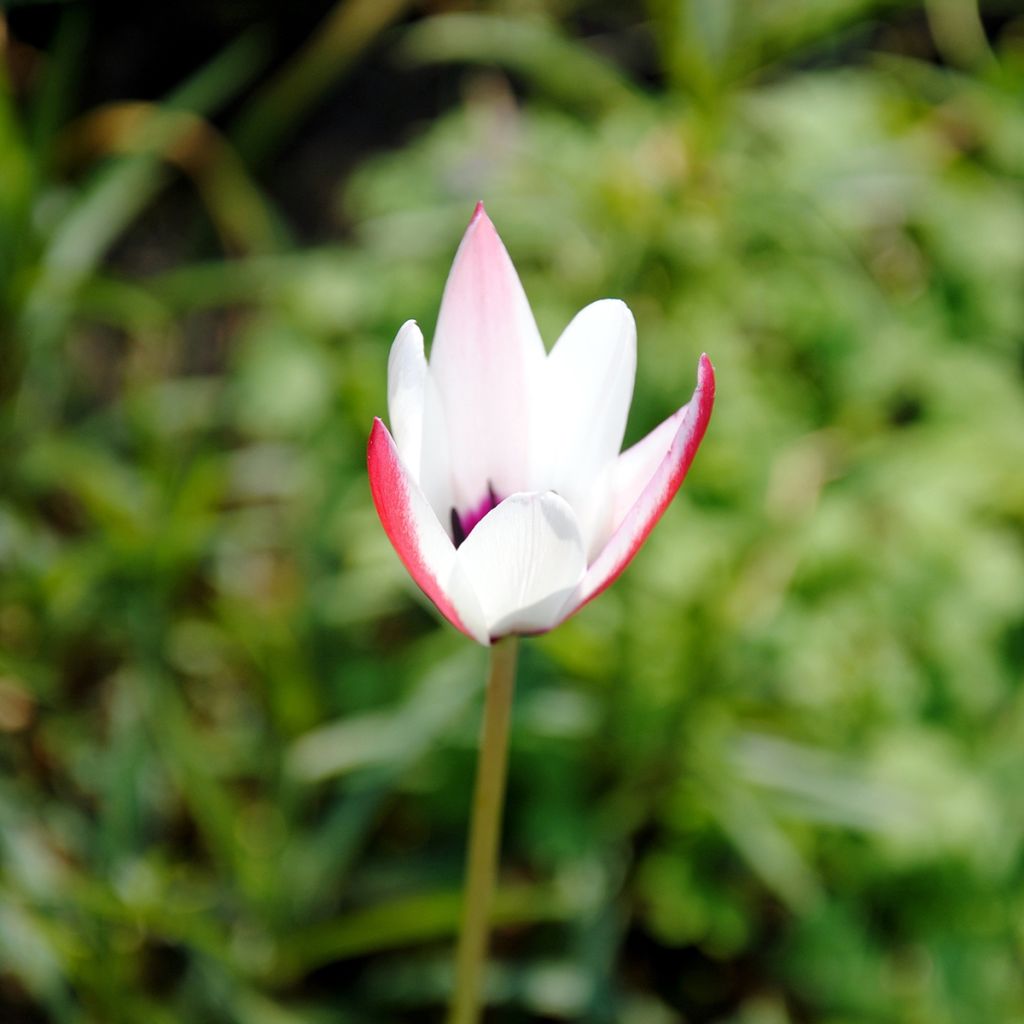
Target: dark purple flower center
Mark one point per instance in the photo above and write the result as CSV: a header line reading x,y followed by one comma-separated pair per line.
x,y
463,522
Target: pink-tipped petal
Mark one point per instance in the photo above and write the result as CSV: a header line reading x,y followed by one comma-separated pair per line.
x,y
418,538
660,489
523,560
588,386
485,360
407,378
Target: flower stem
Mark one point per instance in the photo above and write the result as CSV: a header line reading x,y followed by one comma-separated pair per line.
x,y
485,829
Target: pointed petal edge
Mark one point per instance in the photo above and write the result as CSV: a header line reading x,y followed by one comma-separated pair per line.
x,y
485,360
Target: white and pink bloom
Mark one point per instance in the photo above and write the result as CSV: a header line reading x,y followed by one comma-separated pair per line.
x,y
503,489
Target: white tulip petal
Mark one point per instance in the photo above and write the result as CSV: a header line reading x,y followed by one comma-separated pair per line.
x,y
486,359
523,561
587,390
407,371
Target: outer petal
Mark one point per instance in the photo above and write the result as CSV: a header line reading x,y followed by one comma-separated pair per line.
x,y
523,560
423,546
407,373
588,386
485,360
655,496
634,467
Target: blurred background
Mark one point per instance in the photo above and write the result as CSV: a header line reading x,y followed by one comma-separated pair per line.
x,y
774,775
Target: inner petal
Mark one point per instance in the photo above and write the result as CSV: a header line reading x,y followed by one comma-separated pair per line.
x,y
486,361
523,561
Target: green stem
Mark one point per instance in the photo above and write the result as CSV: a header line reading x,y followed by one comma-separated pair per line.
x,y
485,829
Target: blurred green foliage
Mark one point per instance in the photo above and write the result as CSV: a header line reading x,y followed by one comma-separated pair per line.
x,y
773,776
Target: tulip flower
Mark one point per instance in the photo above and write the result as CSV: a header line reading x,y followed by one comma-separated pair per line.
x,y
503,489
504,492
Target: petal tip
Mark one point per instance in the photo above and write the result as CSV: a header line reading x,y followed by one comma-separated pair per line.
x,y
480,221
372,441
706,373
705,389
481,232
617,308
479,218
479,236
